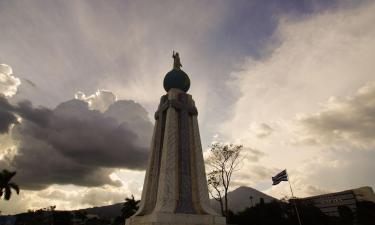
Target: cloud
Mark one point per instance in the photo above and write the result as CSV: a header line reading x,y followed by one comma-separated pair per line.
x,y
251,174
313,190
329,171
350,120
77,145
67,197
253,155
262,172
133,60
102,196
310,60
23,109
53,194
5,142
263,130
8,83
101,100
6,119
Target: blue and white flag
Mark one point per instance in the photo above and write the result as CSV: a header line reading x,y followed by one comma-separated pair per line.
x,y
282,176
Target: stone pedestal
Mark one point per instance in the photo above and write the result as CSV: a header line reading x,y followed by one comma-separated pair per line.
x,y
175,188
176,219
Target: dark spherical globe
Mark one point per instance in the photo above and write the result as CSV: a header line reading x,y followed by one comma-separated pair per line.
x,y
176,79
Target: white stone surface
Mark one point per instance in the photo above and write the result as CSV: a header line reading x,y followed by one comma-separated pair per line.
x,y
150,172
176,219
200,170
167,190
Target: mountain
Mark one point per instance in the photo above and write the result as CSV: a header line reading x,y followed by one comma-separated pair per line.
x,y
239,199
106,212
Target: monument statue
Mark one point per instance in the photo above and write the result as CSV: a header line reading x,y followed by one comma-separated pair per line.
x,y
175,189
176,61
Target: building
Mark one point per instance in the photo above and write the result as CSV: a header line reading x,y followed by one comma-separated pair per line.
x,y
329,203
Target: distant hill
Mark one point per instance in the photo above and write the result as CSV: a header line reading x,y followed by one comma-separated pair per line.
x,y
239,199
108,211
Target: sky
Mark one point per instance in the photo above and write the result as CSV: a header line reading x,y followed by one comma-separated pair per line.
x,y
293,81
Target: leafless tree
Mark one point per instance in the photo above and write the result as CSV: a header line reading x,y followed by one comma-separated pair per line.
x,y
223,160
215,188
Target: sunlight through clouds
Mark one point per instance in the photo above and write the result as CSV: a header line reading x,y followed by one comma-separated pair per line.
x,y
8,82
293,81
319,56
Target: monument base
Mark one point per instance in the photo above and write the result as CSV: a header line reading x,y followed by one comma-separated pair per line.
x,y
176,219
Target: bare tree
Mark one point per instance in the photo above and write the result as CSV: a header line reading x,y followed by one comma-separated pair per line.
x,y
224,160
215,188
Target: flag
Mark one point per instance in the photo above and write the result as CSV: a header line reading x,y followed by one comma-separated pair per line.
x,y
282,176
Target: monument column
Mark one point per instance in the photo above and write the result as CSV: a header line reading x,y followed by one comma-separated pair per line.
x,y
175,188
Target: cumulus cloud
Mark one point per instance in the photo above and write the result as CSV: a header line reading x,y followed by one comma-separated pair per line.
x,y
8,82
101,100
77,145
349,119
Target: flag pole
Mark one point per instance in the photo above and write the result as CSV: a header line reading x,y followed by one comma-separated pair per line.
x,y
295,202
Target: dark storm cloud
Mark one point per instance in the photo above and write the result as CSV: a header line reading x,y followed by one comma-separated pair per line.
x,y
72,144
25,110
39,165
6,118
90,137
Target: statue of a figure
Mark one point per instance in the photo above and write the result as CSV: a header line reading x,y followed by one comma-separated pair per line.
x,y
176,61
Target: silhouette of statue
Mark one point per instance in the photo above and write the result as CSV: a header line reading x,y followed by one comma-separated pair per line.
x,y
176,61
